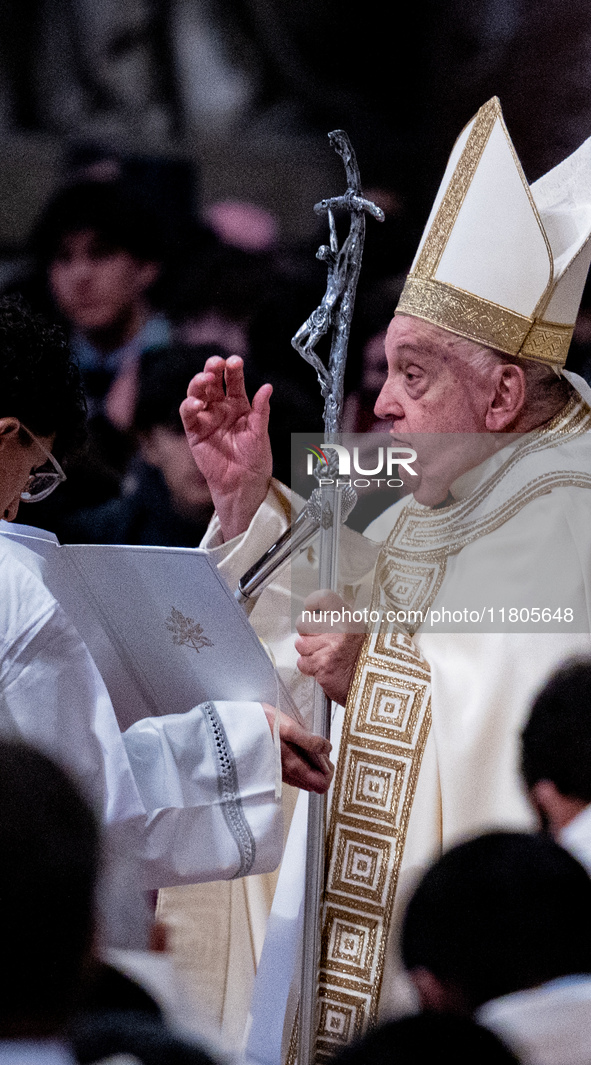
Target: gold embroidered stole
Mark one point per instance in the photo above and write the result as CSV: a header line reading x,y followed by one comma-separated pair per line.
x,y
386,726
387,722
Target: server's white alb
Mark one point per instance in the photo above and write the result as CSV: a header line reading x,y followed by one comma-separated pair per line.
x,y
190,795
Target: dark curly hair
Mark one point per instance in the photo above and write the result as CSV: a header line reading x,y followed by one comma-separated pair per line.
x,y
108,208
39,379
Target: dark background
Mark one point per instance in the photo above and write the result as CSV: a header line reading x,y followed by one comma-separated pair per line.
x,y
203,101
244,92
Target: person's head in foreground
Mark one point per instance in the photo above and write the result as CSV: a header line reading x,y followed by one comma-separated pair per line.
x,y
426,1038
556,746
102,253
50,847
498,914
42,409
482,328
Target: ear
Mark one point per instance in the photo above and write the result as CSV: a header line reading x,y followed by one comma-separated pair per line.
x,y
435,995
9,427
557,810
508,397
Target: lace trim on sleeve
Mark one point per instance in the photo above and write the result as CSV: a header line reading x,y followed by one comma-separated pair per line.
x,y
231,802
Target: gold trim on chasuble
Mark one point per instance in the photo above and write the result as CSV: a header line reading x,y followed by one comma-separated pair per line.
x,y
387,721
386,725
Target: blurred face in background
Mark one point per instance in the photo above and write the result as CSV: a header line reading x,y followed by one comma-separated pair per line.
x,y
98,286
170,453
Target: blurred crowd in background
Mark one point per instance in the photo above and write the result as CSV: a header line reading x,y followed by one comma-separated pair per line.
x,y
155,243
160,164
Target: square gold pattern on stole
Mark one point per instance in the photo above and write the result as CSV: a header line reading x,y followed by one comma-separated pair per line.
x,y
389,709
360,865
373,786
406,586
350,942
341,1020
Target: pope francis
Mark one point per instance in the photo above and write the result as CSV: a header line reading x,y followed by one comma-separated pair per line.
x,y
491,548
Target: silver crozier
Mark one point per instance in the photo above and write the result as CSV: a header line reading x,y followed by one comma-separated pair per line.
x,y
327,507
332,504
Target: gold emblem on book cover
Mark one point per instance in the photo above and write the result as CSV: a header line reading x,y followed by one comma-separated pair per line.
x,y
186,631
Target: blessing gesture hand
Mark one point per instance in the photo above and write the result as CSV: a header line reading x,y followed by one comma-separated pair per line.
x,y
229,440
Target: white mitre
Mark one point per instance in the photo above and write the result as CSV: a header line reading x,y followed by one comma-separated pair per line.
x,y
500,261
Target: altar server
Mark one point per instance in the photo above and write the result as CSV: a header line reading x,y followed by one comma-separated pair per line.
x,y
188,796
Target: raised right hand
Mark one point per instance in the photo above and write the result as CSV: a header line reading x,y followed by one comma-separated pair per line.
x,y
229,440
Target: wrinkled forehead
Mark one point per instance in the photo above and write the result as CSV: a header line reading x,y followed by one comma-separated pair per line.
x,y
408,336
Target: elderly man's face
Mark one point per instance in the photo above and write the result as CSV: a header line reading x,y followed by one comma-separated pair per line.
x,y
430,393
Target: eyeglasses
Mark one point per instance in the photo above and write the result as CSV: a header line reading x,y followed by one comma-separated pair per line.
x,y
42,482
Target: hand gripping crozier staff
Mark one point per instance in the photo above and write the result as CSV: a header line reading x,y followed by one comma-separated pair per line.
x,y
497,530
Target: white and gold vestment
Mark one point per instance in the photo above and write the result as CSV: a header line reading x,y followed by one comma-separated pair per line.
x,y
429,740
429,745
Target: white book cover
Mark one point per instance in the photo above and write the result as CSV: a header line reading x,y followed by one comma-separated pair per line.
x,y
163,627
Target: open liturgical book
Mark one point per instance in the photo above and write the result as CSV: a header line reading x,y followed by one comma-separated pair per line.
x,y
161,624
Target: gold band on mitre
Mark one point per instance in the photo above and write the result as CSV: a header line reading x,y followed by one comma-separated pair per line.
x,y
486,323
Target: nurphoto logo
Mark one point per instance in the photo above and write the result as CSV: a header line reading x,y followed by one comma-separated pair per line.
x,y
387,459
